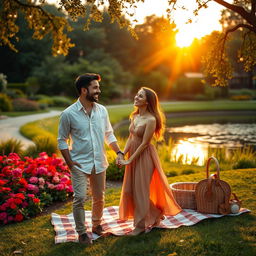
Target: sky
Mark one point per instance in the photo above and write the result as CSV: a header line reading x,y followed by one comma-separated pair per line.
x,y
203,24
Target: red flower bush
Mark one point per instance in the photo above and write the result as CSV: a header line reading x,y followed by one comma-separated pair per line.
x,y
27,185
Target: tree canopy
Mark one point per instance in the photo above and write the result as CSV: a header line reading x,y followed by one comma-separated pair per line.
x,y
238,16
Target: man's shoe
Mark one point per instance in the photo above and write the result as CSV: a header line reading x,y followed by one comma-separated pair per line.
x,y
97,230
84,239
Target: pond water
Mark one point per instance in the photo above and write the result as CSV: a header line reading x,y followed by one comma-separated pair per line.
x,y
193,142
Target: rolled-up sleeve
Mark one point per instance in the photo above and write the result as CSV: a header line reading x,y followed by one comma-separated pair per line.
x,y
109,134
64,131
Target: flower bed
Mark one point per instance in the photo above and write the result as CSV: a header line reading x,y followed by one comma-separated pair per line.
x,y
27,185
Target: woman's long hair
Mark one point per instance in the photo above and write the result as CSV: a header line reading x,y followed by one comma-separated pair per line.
x,y
154,108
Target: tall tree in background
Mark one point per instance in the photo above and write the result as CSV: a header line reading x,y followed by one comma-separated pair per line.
x,y
43,22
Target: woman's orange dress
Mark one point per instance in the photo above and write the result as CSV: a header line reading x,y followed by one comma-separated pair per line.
x,y
146,195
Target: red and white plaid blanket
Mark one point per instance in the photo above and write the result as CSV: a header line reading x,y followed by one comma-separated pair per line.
x,y
64,225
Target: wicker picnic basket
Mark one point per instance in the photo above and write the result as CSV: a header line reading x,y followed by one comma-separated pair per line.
x,y
213,194
184,193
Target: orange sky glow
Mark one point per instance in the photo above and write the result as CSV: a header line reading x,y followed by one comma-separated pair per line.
x,y
203,24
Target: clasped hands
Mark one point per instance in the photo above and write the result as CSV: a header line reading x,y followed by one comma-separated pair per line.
x,y
120,161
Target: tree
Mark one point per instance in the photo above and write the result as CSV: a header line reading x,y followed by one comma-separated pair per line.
x,y
43,22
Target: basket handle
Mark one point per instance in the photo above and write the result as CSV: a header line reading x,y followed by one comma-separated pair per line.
x,y
208,164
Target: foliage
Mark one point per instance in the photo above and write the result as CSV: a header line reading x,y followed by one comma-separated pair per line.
x,y
10,146
32,130
19,86
21,104
43,143
27,185
244,163
40,20
5,103
61,101
239,15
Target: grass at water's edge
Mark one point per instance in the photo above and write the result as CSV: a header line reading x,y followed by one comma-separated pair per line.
x,y
226,236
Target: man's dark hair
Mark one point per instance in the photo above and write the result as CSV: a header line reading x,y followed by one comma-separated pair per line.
x,y
84,81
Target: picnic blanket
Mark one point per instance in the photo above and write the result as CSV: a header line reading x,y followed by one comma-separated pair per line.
x,y
64,225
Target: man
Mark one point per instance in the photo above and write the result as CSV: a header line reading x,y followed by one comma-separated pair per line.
x,y
86,124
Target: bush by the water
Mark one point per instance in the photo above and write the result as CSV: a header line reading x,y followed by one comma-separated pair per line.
x,y
27,185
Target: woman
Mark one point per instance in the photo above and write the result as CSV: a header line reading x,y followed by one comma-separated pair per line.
x,y
146,195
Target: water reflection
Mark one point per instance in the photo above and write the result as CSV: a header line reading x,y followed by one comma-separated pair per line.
x,y
193,142
186,152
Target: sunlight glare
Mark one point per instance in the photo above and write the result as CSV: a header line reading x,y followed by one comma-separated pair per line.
x,y
184,39
189,153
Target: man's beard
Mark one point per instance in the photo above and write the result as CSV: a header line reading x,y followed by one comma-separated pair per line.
x,y
91,98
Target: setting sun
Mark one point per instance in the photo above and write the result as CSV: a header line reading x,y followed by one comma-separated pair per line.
x,y
184,39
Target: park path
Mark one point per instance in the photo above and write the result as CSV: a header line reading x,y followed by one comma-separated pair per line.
x,y
10,126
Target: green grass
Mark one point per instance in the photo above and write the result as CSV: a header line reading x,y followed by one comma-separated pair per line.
x,y
122,112
226,236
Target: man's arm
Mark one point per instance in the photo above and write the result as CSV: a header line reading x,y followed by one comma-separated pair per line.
x,y
66,155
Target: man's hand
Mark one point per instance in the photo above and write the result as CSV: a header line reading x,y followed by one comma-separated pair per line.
x,y
118,159
124,162
74,163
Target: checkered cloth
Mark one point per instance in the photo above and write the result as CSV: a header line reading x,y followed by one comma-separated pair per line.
x,y
64,225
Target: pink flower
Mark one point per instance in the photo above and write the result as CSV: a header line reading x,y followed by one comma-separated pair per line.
x,y
33,179
10,218
51,186
69,189
31,195
3,215
56,179
3,206
17,173
60,186
41,181
65,179
24,204
33,188
49,174
42,171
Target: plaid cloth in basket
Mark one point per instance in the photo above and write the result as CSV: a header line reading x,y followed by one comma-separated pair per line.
x,y
64,225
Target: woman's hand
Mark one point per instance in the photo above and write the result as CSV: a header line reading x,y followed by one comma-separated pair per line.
x,y
124,162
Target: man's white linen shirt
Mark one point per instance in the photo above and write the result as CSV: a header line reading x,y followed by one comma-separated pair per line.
x,y
87,134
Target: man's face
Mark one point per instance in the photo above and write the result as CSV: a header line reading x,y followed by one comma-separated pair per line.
x,y
93,91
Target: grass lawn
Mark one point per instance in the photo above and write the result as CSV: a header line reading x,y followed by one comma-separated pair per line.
x,y
227,236
121,112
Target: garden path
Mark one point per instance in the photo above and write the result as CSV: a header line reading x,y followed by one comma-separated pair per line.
x,y
10,126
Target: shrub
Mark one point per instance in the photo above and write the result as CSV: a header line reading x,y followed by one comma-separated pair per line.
x,y
241,97
10,146
31,130
15,93
244,163
171,173
115,173
21,104
27,185
187,171
46,144
20,86
59,101
5,103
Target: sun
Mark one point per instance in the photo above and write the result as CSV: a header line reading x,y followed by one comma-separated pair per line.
x,y
184,39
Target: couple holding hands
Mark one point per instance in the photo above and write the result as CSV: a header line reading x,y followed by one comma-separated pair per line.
x,y
146,196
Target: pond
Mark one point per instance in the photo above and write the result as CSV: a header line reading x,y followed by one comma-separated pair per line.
x,y
205,132
193,142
